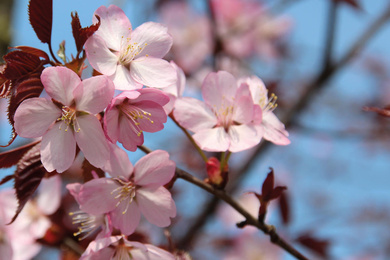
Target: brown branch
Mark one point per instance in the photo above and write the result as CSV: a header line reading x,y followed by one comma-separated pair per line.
x,y
310,90
330,33
249,219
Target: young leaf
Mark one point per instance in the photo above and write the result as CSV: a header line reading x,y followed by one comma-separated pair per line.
x,y
319,246
20,63
10,158
33,51
80,34
28,176
41,18
284,208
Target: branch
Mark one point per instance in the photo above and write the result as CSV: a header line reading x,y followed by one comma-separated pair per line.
x,y
311,89
330,32
250,220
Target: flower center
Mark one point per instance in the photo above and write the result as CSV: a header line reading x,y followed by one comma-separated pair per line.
x,y
135,115
129,51
122,253
124,193
271,104
89,224
69,118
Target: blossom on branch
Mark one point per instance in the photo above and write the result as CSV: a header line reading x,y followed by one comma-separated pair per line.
x,y
131,58
132,191
228,119
67,119
118,247
133,112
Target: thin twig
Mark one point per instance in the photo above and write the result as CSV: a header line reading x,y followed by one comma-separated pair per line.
x,y
330,33
250,220
311,90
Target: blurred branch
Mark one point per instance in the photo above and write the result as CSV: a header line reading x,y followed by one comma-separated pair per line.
x,y
249,219
311,90
330,33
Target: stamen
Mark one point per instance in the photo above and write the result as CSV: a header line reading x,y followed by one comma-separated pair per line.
x,y
125,192
271,105
135,114
69,118
88,224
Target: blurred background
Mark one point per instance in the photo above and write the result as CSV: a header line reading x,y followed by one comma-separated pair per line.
x,y
325,60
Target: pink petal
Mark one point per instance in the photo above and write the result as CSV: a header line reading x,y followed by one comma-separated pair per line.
x,y
119,164
156,205
219,89
154,95
152,72
111,123
94,94
58,148
126,220
193,114
243,137
153,38
74,190
59,83
49,195
244,108
213,140
114,26
92,141
6,251
127,136
154,122
34,116
96,196
99,244
156,253
274,130
154,169
122,79
99,55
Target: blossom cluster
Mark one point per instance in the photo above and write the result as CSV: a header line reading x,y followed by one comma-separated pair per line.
x,y
134,90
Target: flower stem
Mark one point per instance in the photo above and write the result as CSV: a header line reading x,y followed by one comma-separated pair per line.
x,y
202,154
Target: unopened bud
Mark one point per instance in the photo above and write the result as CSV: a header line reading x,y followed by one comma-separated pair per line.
x,y
216,177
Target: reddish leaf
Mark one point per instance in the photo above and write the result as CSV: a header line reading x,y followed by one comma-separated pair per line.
x,y
276,192
10,158
383,112
87,171
284,208
317,245
6,179
268,184
80,34
353,3
20,63
41,18
24,89
28,176
33,51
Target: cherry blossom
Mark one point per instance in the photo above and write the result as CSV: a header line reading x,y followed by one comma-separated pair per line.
x,y
133,112
132,191
227,119
119,248
68,119
191,33
131,58
274,130
176,90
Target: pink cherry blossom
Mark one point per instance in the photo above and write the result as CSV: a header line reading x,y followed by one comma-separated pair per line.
x,y
191,33
226,120
133,112
89,224
132,191
131,58
274,130
118,247
69,120
246,27
176,90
